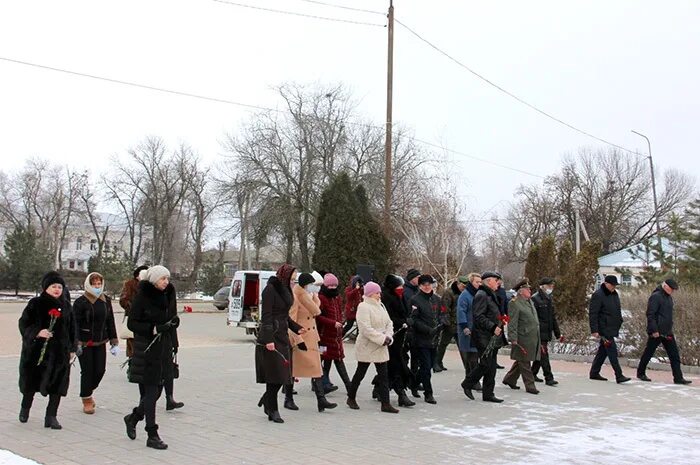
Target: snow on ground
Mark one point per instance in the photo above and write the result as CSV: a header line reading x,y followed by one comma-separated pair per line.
x,y
8,458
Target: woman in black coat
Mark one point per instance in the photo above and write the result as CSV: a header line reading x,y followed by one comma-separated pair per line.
x,y
153,320
272,351
48,374
95,319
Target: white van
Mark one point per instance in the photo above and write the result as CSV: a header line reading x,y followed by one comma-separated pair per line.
x,y
245,299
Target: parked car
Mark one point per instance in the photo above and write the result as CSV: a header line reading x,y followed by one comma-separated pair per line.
x,y
221,298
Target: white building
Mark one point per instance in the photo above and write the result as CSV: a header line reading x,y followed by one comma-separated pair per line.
x,y
629,263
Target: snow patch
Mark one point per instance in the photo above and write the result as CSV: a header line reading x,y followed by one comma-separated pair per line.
x,y
9,458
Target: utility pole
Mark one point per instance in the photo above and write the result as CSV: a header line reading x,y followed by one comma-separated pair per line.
x,y
656,204
389,101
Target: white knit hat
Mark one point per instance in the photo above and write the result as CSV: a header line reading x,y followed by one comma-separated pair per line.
x,y
156,272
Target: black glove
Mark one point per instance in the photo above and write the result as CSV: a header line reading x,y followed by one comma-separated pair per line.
x,y
302,346
165,327
175,322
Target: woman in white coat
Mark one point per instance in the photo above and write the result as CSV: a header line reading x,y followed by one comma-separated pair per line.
x,y
375,334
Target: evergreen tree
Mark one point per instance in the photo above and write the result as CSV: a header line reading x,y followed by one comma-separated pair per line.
x,y
26,259
211,277
541,260
564,258
346,232
576,284
690,265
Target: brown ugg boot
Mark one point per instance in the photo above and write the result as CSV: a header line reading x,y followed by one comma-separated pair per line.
x,y
88,405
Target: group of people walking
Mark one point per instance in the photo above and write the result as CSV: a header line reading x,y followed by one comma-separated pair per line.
x,y
403,329
55,332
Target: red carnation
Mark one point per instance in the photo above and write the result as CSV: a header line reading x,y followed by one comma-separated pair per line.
x,y
188,309
55,313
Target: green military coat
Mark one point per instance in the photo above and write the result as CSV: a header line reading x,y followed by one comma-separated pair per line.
x,y
523,328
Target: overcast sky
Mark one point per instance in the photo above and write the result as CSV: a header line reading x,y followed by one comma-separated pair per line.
x,y
605,67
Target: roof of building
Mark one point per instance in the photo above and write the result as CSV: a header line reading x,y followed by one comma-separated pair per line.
x,y
636,256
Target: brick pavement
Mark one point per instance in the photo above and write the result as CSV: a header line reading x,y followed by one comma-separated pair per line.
x,y
220,423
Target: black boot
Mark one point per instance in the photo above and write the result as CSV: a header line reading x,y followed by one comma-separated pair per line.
x,y
172,404
263,403
289,398
131,420
154,441
404,401
321,401
275,417
343,372
25,406
23,415
52,422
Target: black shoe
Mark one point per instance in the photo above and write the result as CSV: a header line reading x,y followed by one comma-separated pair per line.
x,y
328,388
155,442
290,405
52,422
23,415
512,386
404,401
429,399
499,367
643,377
538,379
444,368
597,377
551,382
275,417
172,404
682,381
622,379
414,393
352,403
477,387
493,399
467,390
437,369
323,404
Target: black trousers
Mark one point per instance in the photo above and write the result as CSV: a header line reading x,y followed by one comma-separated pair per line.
x,y
382,380
486,369
469,361
426,359
609,353
447,335
92,368
671,349
543,363
150,393
51,407
271,391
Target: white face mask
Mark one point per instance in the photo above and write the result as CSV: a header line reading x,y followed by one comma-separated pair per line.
x,y
312,288
548,290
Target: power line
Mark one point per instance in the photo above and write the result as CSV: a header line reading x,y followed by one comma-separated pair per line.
x,y
249,106
334,5
510,94
295,13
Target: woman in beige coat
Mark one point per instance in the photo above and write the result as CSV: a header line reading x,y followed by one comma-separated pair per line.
x,y
375,335
306,358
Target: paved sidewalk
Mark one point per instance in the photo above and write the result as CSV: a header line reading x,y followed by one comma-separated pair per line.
x,y
220,423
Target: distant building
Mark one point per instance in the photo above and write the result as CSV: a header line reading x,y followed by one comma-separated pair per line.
x,y
629,263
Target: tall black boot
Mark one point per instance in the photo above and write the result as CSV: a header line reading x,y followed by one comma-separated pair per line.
x,y
154,441
321,401
172,404
131,420
27,401
343,372
289,397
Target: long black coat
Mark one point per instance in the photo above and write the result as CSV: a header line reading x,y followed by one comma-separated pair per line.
x,y
425,311
270,366
53,375
486,309
95,320
545,313
605,313
660,312
152,307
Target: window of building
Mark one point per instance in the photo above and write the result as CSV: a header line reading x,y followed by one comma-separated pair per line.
x,y
79,243
626,279
71,264
93,244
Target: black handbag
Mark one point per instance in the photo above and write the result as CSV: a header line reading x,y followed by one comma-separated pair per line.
x,y
176,368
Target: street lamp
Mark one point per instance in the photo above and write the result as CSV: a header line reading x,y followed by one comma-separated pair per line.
x,y
656,204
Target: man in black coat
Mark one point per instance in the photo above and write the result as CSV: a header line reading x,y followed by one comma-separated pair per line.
x,y
548,325
660,330
605,319
425,308
486,311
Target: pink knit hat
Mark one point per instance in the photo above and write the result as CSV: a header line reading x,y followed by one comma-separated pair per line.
x,y
330,280
372,288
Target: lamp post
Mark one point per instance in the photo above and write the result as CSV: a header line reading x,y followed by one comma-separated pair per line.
x,y
656,204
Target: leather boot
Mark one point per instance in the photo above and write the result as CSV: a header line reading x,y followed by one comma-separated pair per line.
x,y
23,415
172,404
352,403
52,422
404,401
275,417
154,441
289,398
321,401
131,420
88,405
263,403
388,408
